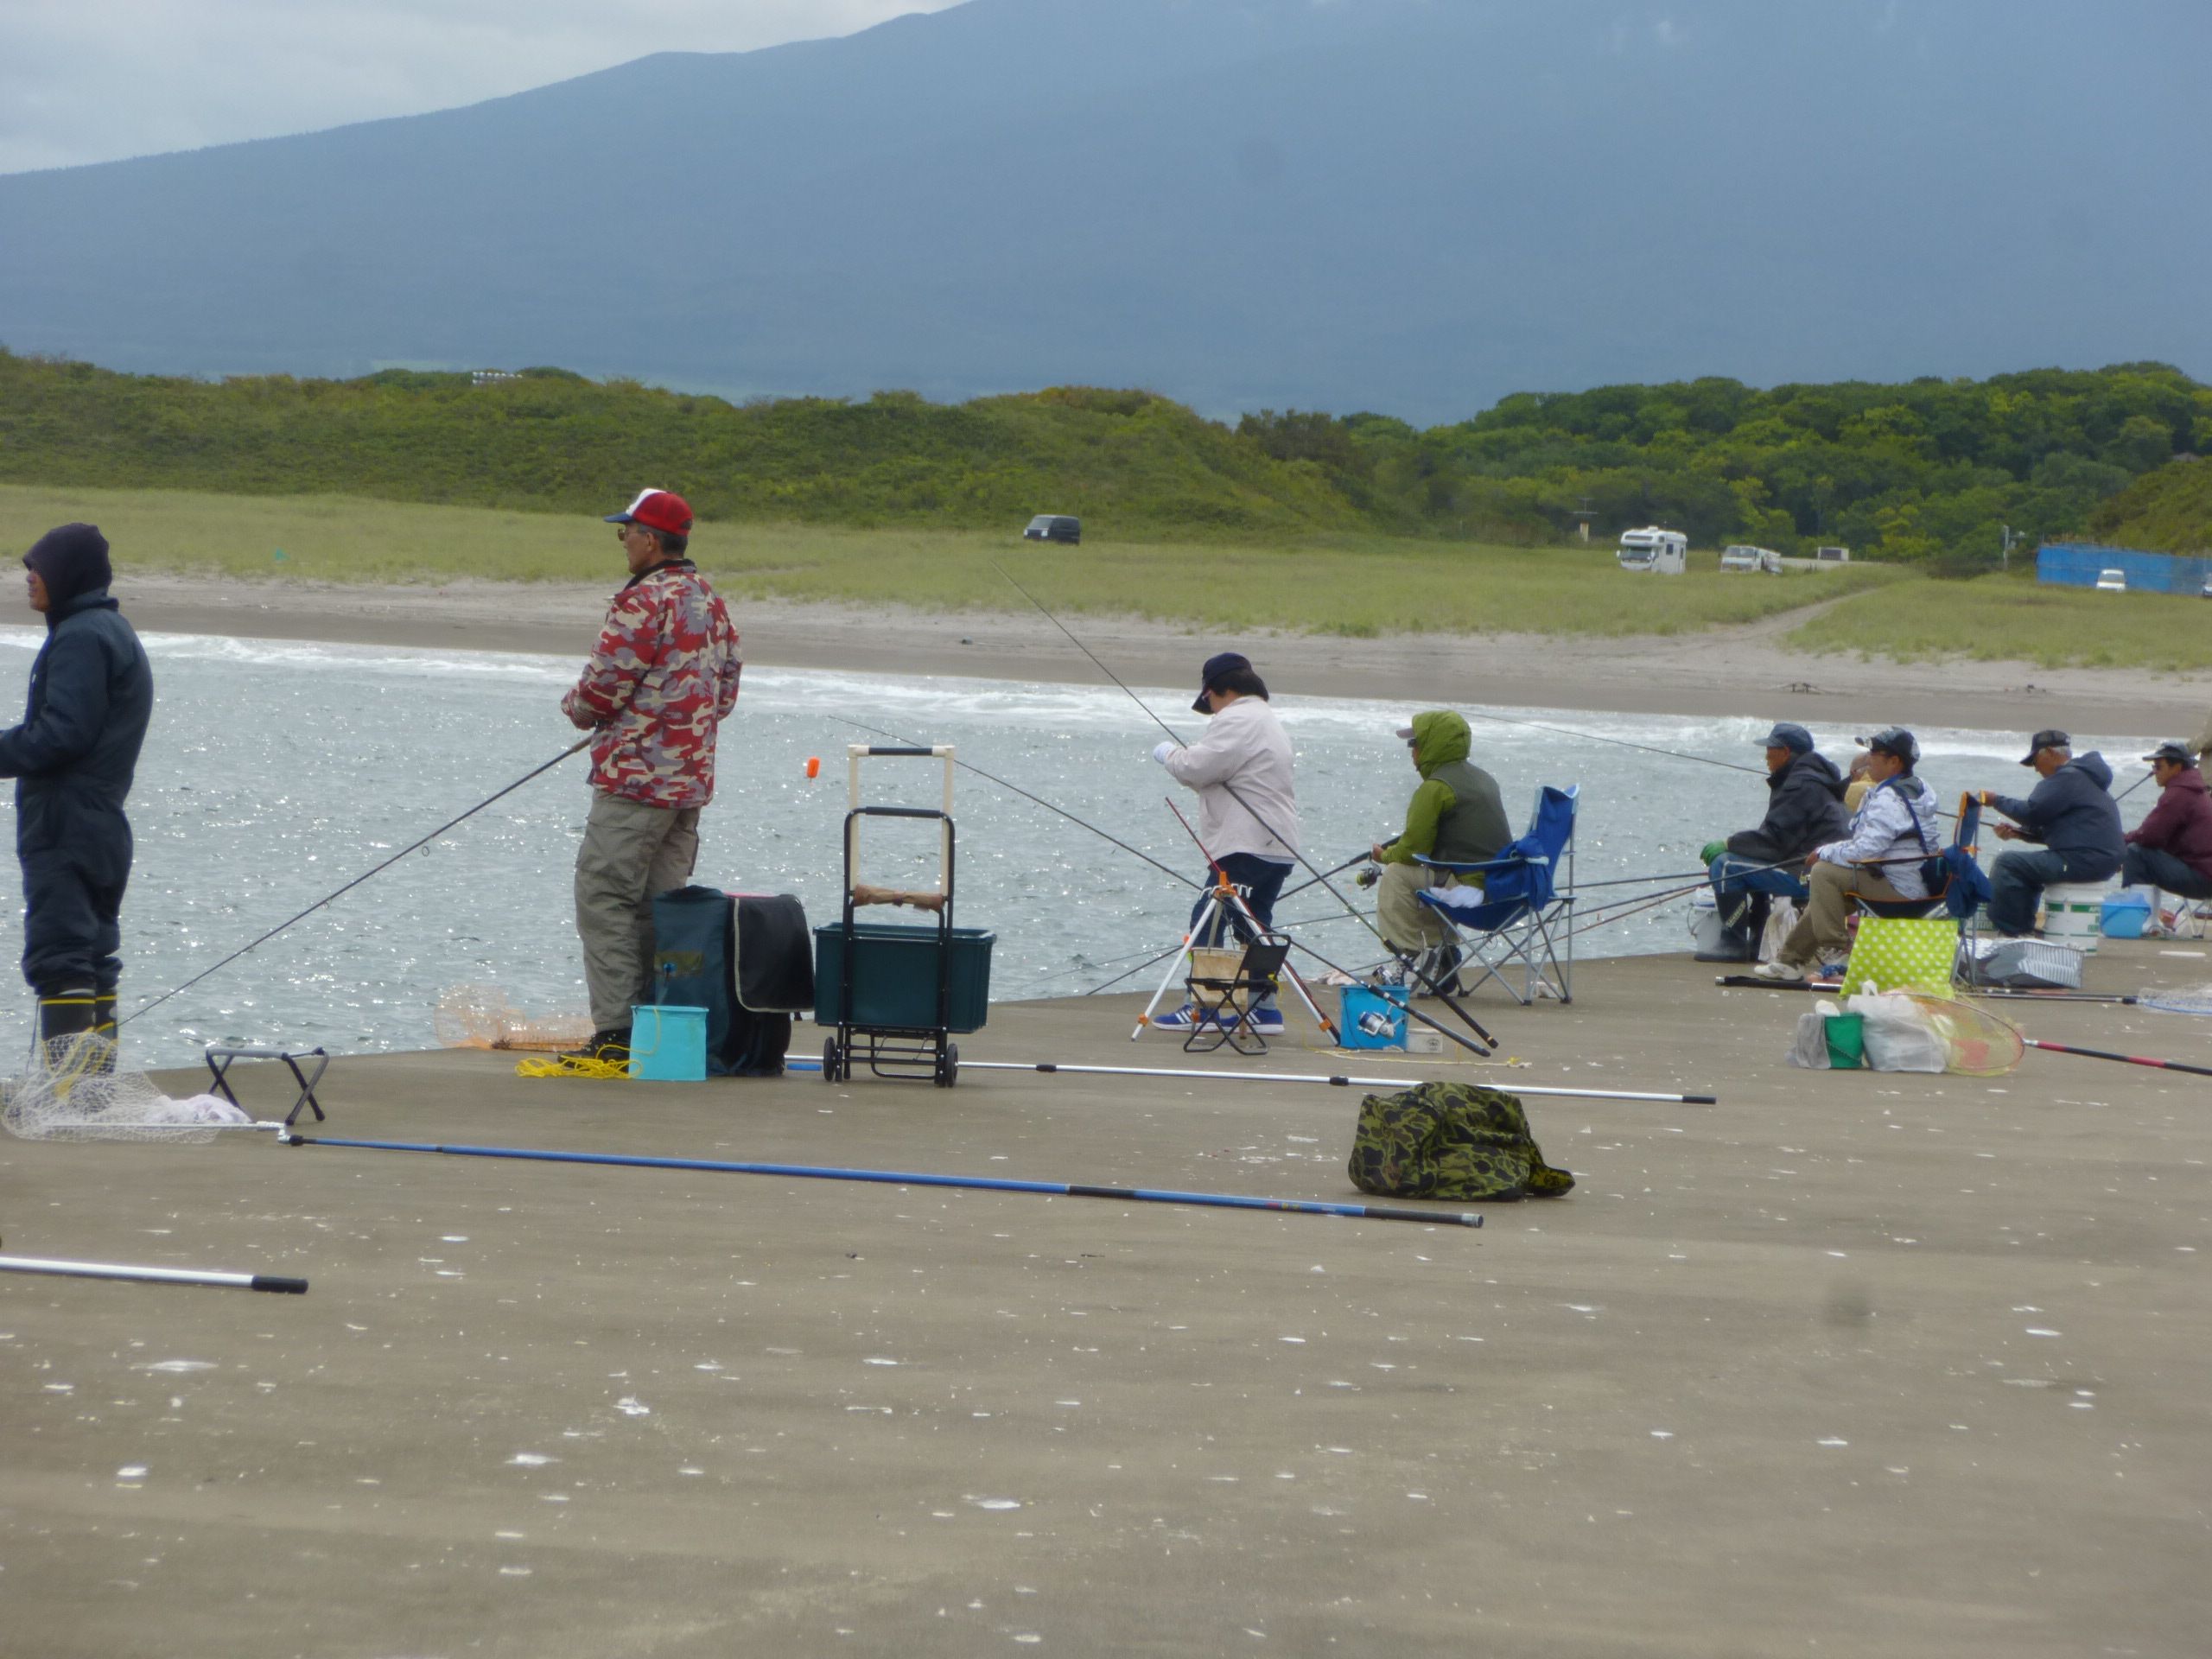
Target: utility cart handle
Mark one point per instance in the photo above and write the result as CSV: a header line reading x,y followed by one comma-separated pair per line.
x,y
856,753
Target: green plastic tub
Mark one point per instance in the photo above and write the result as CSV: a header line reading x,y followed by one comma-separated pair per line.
x,y
894,977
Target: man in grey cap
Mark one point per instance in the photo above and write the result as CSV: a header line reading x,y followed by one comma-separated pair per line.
x,y
2071,812
1804,807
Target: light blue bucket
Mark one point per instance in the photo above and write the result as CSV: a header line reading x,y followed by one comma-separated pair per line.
x,y
668,1044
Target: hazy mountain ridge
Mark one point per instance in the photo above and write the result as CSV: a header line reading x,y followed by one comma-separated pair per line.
x,y
1405,205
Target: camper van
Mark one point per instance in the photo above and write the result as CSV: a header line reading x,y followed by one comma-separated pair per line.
x,y
1664,552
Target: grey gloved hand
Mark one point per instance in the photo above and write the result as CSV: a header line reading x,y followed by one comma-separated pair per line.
x,y
1161,751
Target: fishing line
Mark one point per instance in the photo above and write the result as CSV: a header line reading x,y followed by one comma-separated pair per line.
x,y
1026,795
1235,795
573,748
1621,743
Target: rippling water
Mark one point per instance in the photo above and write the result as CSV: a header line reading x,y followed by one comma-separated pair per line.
x,y
275,773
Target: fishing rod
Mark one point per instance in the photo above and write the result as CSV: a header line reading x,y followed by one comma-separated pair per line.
x,y
906,1178
1237,796
1027,795
1334,869
1331,1081
254,945
153,1276
2125,1059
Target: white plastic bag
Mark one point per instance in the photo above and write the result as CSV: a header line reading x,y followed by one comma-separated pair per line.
x,y
1898,1038
1781,917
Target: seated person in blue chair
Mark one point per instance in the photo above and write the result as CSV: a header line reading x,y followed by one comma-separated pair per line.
x,y
1804,808
1897,827
1456,818
2072,813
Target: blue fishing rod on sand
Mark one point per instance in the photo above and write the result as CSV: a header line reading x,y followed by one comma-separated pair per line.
x,y
909,1178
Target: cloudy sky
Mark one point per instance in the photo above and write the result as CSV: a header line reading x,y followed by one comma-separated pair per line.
x,y
94,80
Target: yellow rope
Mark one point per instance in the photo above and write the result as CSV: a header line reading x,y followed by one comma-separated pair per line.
x,y
569,1066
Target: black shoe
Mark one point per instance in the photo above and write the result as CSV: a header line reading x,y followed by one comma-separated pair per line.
x,y
609,1043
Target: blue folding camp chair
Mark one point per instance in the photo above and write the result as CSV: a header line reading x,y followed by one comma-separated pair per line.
x,y
1964,888
1519,913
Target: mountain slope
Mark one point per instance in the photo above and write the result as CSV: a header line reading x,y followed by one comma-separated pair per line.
x,y
1398,204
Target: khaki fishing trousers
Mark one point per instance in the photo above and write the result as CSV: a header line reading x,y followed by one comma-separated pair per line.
x,y
1408,924
631,852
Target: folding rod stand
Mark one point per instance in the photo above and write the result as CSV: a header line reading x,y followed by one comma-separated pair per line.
x,y
219,1063
1221,898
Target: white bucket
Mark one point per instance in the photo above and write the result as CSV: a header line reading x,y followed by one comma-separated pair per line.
x,y
2073,912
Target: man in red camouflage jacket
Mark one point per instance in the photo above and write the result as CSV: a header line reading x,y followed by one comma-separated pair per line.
x,y
661,678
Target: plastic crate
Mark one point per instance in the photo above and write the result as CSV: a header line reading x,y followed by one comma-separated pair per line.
x,y
894,977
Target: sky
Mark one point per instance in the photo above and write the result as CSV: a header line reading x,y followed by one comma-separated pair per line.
x,y
96,80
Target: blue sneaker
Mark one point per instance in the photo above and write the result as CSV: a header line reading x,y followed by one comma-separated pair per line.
x,y
1265,1022
1185,1018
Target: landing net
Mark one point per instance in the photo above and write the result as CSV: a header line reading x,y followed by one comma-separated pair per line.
x,y
1976,1042
478,1016
71,1090
2178,1000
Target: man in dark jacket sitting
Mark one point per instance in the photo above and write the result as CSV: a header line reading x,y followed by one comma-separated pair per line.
x,y
2071,812
1804,809
2171,848
91,694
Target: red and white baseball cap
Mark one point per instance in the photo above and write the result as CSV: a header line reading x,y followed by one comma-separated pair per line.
x,y
661,510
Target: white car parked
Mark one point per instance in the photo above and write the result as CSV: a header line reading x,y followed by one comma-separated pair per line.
x,y
2111,582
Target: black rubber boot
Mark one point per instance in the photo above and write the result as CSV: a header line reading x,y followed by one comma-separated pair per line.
x,y
65,1015
611,1044
103,1014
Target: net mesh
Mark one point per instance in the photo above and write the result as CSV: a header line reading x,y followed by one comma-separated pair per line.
x,y
1977,1043
478,1016
2196,999
71,1090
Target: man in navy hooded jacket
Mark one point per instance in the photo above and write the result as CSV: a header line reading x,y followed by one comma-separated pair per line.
x,y
2072,813
91,693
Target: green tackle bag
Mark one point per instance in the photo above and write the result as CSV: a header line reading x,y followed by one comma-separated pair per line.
x,y
1453,1141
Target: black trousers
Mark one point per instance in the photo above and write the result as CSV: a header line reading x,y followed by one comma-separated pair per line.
x,y
71,926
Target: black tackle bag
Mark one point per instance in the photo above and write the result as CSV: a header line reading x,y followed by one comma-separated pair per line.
x,y
747,959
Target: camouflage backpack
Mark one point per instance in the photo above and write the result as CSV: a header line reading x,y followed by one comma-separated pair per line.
x,y
1453,1140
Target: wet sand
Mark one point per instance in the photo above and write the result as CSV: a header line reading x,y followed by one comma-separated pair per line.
x,y
1845,1363
1726,672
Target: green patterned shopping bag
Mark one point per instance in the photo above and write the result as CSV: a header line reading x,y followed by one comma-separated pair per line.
x,y
1903,953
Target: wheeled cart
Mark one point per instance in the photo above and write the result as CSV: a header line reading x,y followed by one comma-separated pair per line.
x,y
897,993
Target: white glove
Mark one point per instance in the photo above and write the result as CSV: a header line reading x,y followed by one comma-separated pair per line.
x,y
1161,751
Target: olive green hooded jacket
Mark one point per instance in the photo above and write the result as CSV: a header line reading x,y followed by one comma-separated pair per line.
x,y
1455,815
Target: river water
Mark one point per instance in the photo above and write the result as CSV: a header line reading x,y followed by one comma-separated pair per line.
x,y
275,773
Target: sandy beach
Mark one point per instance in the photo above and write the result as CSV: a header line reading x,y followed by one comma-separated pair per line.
x,y
1727,672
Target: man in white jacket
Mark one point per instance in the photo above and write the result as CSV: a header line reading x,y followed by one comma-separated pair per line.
x,y
1895,829
1248,806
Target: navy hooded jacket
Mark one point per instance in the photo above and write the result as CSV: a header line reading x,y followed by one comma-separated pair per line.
x,y
2073,813
1804,810
92,695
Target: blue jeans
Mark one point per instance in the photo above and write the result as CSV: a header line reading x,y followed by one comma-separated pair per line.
x,y
2016,884
1732,873
1258,879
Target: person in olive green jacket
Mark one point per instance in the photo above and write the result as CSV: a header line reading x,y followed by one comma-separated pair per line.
x,y
1455,815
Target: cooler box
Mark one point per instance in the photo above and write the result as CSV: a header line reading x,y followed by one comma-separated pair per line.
x,y
894,977
1369,1018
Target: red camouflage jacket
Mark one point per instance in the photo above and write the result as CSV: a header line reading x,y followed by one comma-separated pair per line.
x,y
663,677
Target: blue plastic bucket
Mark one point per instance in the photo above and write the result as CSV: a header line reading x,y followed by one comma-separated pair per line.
x,y
2124,915
668,1044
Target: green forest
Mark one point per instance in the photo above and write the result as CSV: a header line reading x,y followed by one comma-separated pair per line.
x,y
1931,473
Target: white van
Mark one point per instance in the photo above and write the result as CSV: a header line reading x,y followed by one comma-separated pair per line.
x,y
1833,554
1664,552
1763,560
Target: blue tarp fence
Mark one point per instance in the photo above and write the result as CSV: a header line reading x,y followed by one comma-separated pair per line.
x,y
2078,564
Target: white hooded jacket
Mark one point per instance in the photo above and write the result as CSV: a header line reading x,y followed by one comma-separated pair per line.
x,y
1245,747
